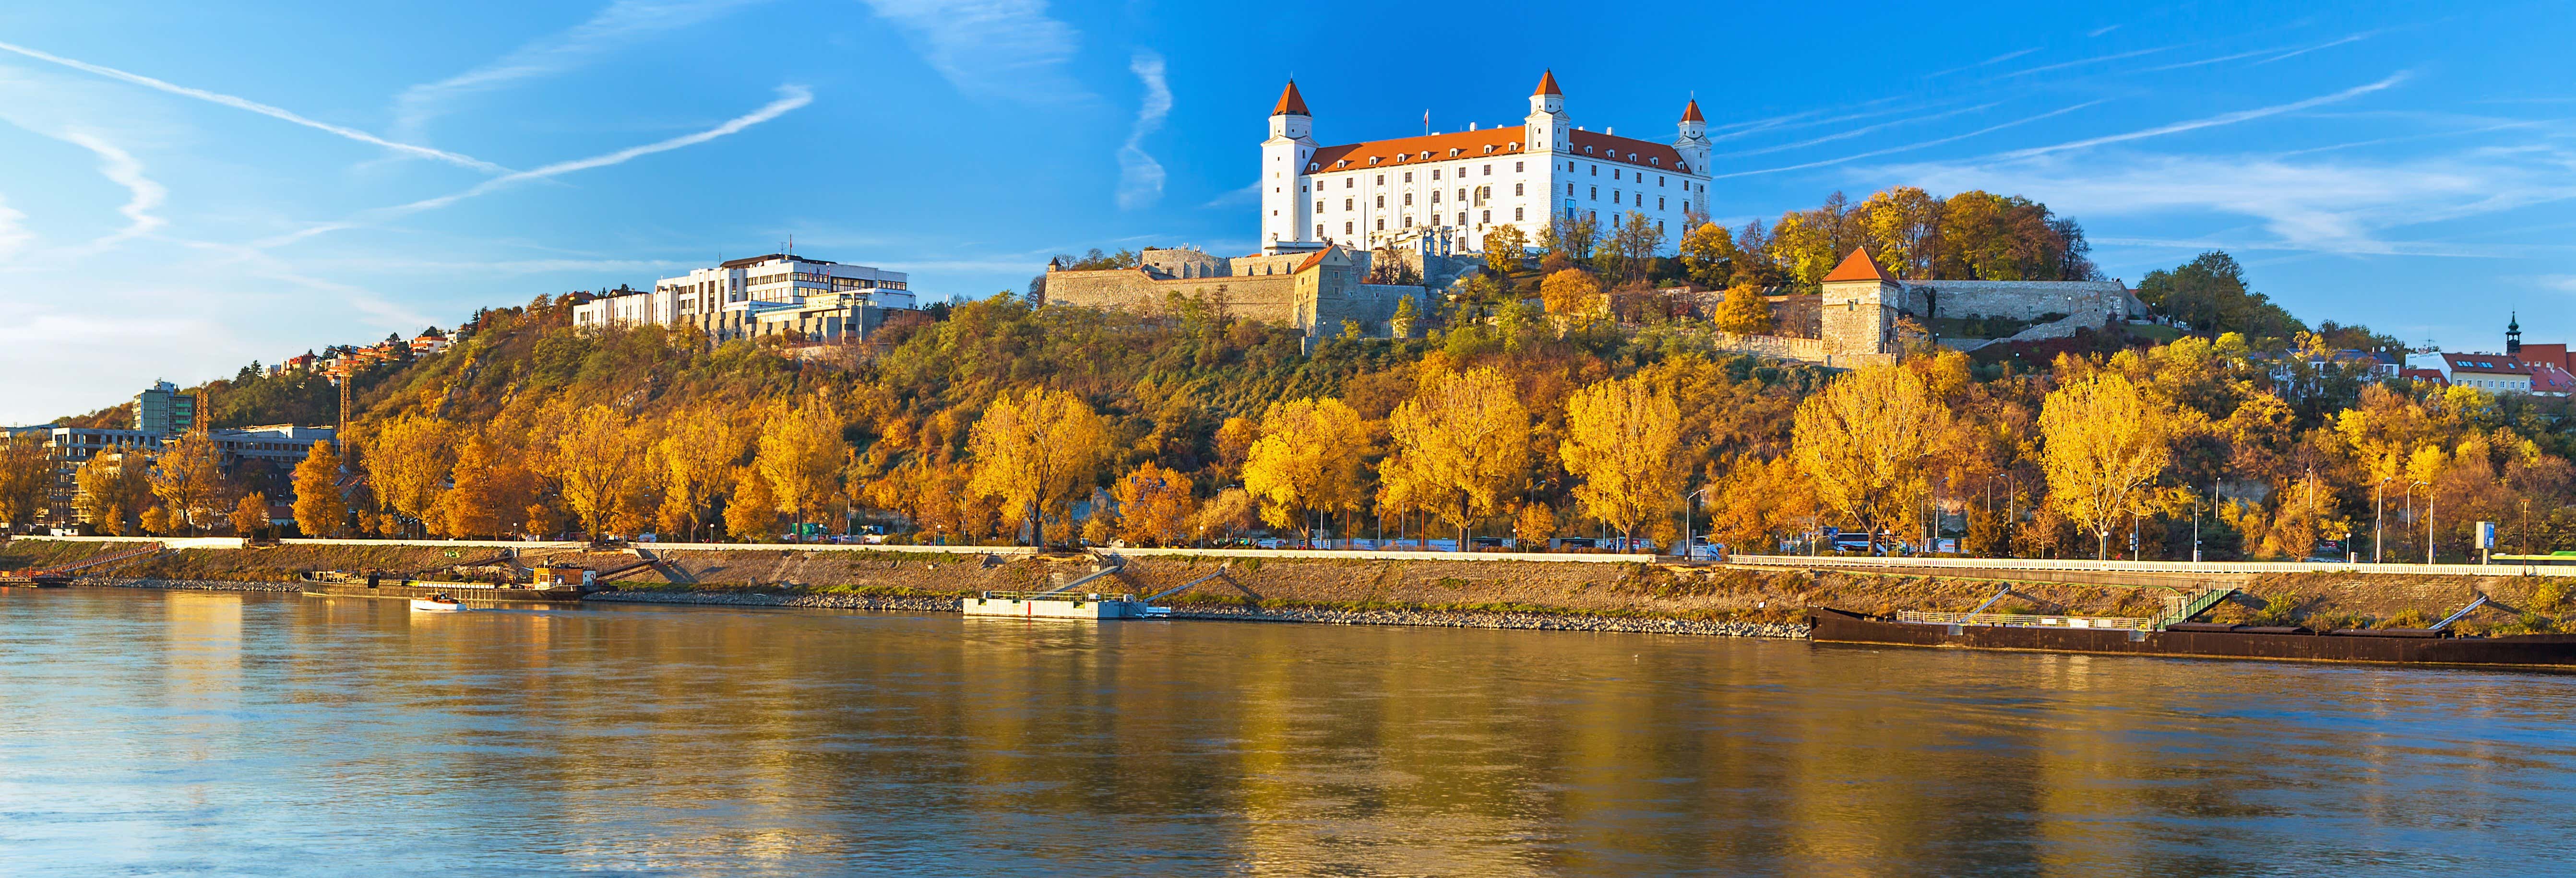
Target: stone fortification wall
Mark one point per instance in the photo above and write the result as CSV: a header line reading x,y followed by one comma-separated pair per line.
x,y
1775,346
1272,298
2018,300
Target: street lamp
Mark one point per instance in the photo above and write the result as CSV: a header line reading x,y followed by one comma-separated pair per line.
x,y
2428,521
1687,503
2378,513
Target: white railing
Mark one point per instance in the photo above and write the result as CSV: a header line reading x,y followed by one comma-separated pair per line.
x,y
2243,567
2016,619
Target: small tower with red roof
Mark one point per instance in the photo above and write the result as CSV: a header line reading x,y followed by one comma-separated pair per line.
x,y
1860,303
1284,207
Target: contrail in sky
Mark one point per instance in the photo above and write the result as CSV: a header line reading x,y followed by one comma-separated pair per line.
x,y
260,108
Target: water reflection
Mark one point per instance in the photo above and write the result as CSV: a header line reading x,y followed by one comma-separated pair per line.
x,y
244,733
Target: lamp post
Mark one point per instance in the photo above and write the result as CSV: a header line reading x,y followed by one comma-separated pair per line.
x,y
1687,503
2378,514
2428,524
2195,520
2411,485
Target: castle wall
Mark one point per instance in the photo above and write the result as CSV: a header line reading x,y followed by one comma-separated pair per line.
x,y
2019,300
1268,298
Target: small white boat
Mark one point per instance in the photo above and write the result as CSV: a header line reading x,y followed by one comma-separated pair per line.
x,y
437,603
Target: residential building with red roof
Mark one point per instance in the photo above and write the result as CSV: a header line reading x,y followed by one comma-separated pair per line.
x,y
1445,191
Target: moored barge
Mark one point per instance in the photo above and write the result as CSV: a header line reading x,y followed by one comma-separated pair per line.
x,y
546,585
2405,646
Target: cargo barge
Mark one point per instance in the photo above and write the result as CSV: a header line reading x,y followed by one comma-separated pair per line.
x,y
2401,646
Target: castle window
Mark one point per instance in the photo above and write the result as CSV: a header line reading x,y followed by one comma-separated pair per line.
x,y
1408,221
1486,216
1516,188
1462,194
1454,151
1659,202
1515,145
1614,173
1596,170
1657,161
1372,160
1346,204
1587,150
1516,167
1489,170
1319,207
1435,196
1381,224
1348,182
1569,190
1596,195
1381,201
1408,198
1319,230
1435,173
1614,196
1312,167
1462,217
1346,228
1659,179
1381,180
1489,149
1408,176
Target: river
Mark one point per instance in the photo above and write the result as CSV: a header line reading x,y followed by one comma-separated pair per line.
x,y
262,734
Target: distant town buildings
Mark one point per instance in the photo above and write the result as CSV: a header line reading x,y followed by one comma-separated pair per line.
x,y
1454,188
773,294
278,446
164,411
2537,369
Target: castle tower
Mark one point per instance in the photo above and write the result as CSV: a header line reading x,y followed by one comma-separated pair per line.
x,y
1286,215
1860,303
1547,121
1694,147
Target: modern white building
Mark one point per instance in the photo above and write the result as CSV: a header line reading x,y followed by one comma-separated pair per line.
x,y
731,298
1456,187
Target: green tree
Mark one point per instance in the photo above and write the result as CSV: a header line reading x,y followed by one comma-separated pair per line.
x,y
2208,294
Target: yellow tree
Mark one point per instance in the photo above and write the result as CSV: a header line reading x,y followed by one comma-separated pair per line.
x,y
188,476
1744,311
1708,253
2105,443
1572,292
1033,452
1461,447
1154,506
751,513
251,515
1504,249
1863,443
115,487
408,465
492,494
1623,440
1903,226
694,461
802,455
1306,462
320,511
26,477
595,458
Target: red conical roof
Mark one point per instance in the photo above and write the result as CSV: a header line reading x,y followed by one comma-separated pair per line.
x,y
1547,84
1690,112
1290,102
1857,266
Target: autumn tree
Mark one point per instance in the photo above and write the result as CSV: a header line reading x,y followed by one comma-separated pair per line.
x,y
1154,506
751,511
1572,291
1708,253
1534,526
1035,451
26,477
694,462
115,489
1306,462
408,464
320,511
595,458
188,478
1623,441
250,516
1461,447
492,493
1630,250
1231,511
1505,247
1863,443
1744,311
1902,225
801,454
2105,444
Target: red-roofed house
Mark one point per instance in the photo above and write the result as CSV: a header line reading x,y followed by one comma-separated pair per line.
x,y
1448,190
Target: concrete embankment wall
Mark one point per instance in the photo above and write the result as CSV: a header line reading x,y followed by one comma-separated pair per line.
x,y
1612,592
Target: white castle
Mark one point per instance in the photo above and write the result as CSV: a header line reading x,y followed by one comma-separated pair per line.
x,y
1448,190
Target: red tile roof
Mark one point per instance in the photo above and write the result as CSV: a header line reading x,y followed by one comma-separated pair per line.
x,y
2549,353
1857,266
1290,102
2491,364
1690,112
1417,149
1547,85
2432,375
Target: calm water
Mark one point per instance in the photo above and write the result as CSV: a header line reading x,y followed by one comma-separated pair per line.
x,y
145,732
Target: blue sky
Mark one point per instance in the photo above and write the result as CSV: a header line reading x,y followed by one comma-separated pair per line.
x,y
185,188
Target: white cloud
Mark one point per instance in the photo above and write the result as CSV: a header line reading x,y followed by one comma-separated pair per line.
x,y
142,194
13,231
790,97
620,23
2564,283
2211,121
989,48
1249,194
256,107
1140,177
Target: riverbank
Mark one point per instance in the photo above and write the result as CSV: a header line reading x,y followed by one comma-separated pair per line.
x,y
1430,590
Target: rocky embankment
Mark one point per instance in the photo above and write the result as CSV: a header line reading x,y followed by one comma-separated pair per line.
x,y
1424,617
184,584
